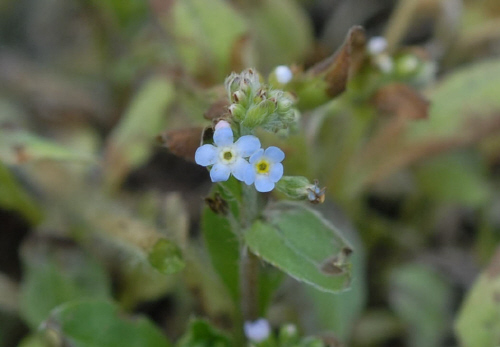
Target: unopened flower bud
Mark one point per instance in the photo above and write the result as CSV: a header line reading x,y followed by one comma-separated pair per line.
x,y
284,105
254,117
299,188
288,335
222,124
237,111
240,97
232,83
260,96
259,114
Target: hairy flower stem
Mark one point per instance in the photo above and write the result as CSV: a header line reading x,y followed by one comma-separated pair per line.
x,y
249,281
249,263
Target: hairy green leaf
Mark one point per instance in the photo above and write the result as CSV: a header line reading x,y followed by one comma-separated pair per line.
x,y
99,323
298,241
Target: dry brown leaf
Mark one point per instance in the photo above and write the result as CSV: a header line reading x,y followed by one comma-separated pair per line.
x,y
339,67
401,101
184,142
218,109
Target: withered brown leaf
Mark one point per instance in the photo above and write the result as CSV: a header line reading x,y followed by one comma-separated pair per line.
x,y
339,67
337,264
402,101
218,109
184,142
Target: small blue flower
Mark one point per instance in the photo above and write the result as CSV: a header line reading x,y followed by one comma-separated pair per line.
x,y
257,331
266,168
226,156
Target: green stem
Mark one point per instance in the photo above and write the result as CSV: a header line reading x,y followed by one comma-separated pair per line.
x,y
249,263
249,282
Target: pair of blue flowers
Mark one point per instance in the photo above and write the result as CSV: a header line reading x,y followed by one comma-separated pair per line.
x,y
244,159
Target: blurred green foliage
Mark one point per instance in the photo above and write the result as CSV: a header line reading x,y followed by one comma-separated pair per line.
x,y
107,224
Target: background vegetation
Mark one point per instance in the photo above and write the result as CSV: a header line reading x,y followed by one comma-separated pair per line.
x,y
100,217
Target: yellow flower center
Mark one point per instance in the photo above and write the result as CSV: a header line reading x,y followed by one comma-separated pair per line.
x,y
227,155
262,167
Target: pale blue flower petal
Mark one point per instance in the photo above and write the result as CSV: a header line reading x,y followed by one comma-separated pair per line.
x,y
220,172
275,154
206,155
256,156
263,183
249,176
247,145
276,172
223,137
240,168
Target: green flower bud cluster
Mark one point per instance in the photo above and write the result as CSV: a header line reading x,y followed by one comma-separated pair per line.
x,y
299,188
254,104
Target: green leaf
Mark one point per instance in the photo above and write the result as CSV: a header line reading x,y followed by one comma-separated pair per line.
x,y
478,321
454,178
464,110
126,16
18,146
13,197
133,138
205,33
223,247
201,334
283,32
220,239
339,313
298,241
99,323
166,257
422,299
56,272
463,102
34,341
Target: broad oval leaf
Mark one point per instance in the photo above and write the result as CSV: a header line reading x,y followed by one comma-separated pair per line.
x,y
57,271
478,322
300,242
99,323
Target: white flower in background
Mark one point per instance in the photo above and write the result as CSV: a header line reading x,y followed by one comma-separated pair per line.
x,y
265,168
377,45
227,157
283,74
384,63
258,330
